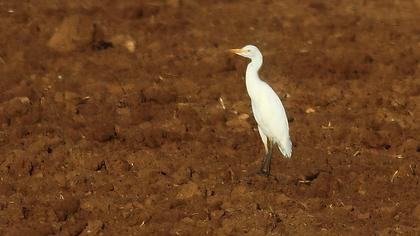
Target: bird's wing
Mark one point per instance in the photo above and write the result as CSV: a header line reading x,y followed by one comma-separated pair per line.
x,y
276,122
272,104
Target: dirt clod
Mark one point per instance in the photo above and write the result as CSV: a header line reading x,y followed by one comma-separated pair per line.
x,y
188,190
64,208
93,228
75,32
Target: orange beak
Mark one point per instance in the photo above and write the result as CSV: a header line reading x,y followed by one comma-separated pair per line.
x,y
236,51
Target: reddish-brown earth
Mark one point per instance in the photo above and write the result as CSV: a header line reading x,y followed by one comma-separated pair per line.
x,y
112,123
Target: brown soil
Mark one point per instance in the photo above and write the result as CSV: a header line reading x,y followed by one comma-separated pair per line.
x,y
112,123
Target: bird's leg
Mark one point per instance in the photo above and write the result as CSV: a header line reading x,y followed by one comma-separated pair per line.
x,y
266,165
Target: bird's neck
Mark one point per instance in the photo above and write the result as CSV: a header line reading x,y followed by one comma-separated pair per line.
x,y
253,68
251,77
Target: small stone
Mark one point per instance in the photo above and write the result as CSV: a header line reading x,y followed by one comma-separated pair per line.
x,y
362,192
243,116
130,45
217,214
24,100
125,41
310,110
303,50
87,205
187,220
363,216
188,190
93,227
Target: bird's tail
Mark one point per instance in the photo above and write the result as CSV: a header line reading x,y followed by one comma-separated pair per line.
x,y
285,148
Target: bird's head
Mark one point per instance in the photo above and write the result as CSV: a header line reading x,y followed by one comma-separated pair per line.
x,y
249,51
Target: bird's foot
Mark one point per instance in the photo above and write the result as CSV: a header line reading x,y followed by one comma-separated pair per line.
x,y
264,172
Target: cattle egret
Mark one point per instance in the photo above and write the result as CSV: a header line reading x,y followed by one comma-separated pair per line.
x,y
267,108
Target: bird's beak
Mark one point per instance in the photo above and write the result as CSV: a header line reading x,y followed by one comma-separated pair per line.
x,y
236,51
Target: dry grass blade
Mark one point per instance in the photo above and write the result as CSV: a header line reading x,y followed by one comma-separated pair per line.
x,y
222,103
394,175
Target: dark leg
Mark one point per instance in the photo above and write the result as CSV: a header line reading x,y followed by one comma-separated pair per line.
x,y
266,165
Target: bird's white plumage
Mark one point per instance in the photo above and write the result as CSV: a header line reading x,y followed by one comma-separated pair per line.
x,y
267,108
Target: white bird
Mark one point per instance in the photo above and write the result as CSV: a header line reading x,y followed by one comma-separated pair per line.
x,y
267,109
